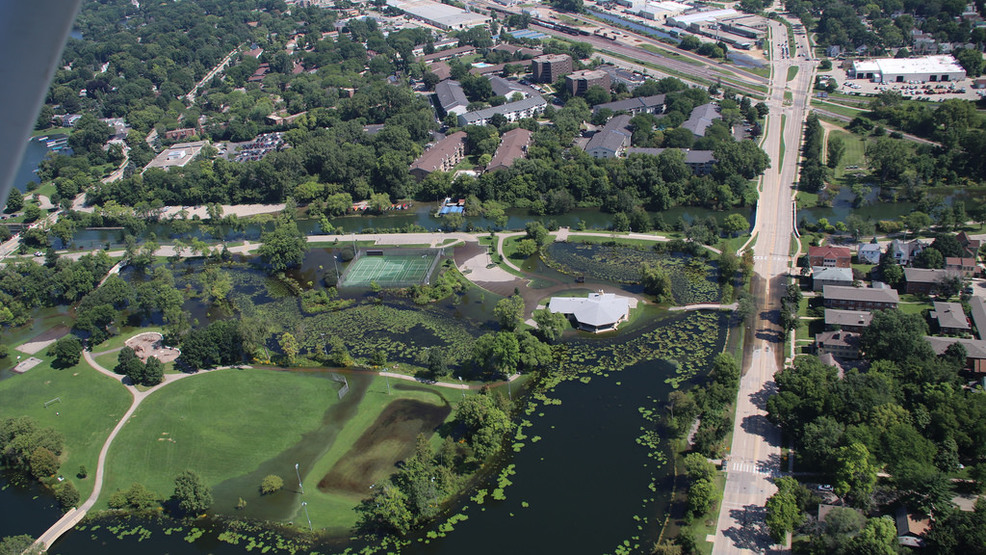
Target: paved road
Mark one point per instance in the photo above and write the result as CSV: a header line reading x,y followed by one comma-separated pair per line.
x,y
754,456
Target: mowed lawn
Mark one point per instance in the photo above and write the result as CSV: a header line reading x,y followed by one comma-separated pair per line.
x,y
221,425
334,509
91,405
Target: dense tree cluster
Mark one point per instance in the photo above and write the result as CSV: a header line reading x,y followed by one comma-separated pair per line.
x,y
27,447
219,343
26,285
812,170
907,414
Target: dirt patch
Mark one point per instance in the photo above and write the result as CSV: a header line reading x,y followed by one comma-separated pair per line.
x,y
26,365
44,339
390,439
151,344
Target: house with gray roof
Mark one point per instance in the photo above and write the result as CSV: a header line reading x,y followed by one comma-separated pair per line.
x,y
529,107
826,275
841,344
451,98
513,145
975,350
598,312
507,88
924,281
869,253
848,320
611,139
905,251
977,308
951,318
653,104
701,118
860,298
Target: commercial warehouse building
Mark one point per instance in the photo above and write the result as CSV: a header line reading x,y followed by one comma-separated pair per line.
x,y
922,70
442,16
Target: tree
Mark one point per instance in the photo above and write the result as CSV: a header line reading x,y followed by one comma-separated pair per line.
x,y
855,475
497,353
32,212
153,372
702,496
67,495
270,484
526,247
656,282
20,545
437,362
735,224
536,231
836,149
67,351
509,312
783,515
388,509
43,463
15,202
284,246
192,495
137,498
895,336
290,346
550,325
878,537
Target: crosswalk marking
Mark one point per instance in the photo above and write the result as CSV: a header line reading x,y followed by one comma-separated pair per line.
x,y
775,257
751,468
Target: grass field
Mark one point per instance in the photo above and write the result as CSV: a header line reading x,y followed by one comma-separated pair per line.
x,y
792,72
837,108
855,154
387,270
221,425
91,405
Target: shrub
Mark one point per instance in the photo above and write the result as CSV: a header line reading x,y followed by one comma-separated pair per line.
x,y
270,484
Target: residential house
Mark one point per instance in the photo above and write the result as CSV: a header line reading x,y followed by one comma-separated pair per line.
x,y
951,318
443,55
860,298
975,351
848,320
653,104
977,308
869,253
906,251
529,107
701,118
442,156
840,344
924,281
962,265
832,257
829,275
180,134
911,528
611,139
451,99
513,145
507,88
970,245
441,70
597,313
701,162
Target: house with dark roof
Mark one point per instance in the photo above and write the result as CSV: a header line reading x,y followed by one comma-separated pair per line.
x,y
951,318
611,139
443,55
970,245
924,281
829,256
513,145
829,275
441,70
701,118
840,344
701,162
653,104
521,50
911,527
977,308
621,76
598,312
962,265
529,107
860,298
848,320
450,97
507,88
578,82
442,156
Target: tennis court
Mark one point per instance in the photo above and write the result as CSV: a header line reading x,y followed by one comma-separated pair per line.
x,y
389,270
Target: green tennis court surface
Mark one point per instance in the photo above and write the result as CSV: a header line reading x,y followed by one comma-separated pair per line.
x,y
389,270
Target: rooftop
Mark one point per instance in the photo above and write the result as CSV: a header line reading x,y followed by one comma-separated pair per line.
x,y
635,103
974,348
830,273
512,146
433,157
442,14
849,293
854,318
978,310
830,251
926,275
950,315
701,118
177,155
691,156
924,64
597,310
837,339
450,95
519,106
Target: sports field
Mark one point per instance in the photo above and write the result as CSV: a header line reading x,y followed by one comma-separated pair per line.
x,y
388,270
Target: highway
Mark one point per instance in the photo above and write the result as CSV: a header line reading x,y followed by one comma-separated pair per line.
x,y
755,454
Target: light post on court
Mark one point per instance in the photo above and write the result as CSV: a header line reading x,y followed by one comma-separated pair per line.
x,y
298,473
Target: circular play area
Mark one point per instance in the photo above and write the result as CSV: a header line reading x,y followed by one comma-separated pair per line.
x,y
151,344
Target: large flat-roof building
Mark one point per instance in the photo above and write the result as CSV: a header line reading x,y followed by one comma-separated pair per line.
x,y
923,70
442,16
698,18
579,82
548,68
177,155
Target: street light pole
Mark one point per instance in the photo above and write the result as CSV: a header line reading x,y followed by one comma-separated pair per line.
x,y
304,505
298,473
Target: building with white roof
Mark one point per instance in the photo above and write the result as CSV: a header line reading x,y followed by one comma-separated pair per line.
x,y
442,16
660,11
597,313
923,70
699,18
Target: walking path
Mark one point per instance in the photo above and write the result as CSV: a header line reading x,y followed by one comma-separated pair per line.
x,y
703,306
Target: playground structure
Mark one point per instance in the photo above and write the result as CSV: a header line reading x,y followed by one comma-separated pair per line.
x,y
151,344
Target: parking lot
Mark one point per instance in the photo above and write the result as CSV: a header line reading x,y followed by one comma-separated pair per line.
x,y
940,91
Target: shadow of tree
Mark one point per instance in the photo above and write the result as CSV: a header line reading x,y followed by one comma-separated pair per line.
x,y
759,398
751,533
757,424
